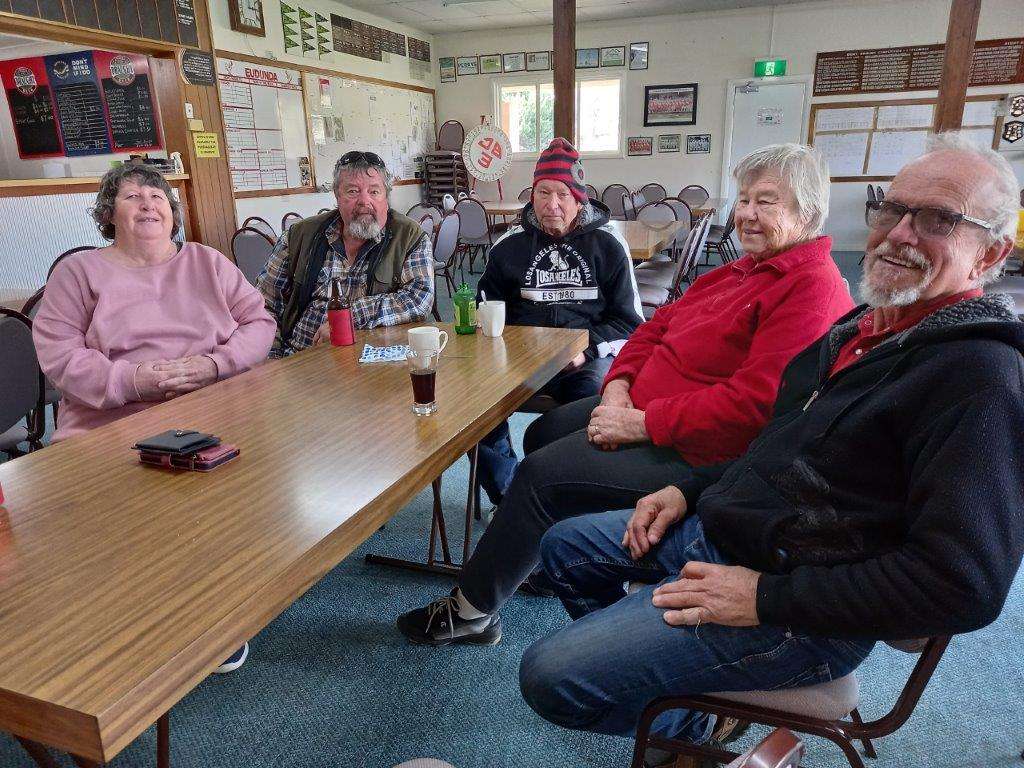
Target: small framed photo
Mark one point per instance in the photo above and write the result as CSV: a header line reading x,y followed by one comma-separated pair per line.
x,y
638,55
698,143
669,142
639,145
490,64
447,65
514,62
670,104
538,61
467,65
588,58
614,56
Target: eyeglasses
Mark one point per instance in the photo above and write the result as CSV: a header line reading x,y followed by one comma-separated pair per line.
x,y
927,222
370,158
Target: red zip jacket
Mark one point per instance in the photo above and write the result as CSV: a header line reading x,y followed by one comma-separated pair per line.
x,y
705,369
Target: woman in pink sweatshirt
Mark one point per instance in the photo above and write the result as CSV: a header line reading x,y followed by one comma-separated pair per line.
x,y
123,327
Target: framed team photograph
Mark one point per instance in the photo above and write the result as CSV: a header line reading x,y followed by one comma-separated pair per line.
x,y
588,58
467,65
490,64
514,62
614,56
637,146
638,55
538,61
447,65
698,143
669,142
670,104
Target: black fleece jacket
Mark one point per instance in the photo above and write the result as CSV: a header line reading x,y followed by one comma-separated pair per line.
x,y
886,501
581,280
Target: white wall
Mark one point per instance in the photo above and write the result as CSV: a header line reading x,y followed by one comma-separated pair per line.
x,y
395,68
710,49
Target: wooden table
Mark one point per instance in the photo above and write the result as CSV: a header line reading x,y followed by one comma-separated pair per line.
x,y
712,205
122,586
503,207
645,240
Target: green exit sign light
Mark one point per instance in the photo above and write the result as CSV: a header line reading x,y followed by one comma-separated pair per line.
x,y
769,67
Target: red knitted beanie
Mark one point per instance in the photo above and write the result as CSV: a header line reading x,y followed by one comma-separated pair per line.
x,y
561,162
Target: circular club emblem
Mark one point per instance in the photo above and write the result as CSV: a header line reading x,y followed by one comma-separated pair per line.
x,y
25,81
61,68
487,152
122,70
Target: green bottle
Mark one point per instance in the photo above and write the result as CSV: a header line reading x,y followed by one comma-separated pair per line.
x,y
465,309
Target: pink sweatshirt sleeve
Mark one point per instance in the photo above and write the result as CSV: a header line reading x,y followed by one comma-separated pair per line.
x,y
251,340
79,372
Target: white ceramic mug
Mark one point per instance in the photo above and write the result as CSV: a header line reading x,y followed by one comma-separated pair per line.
x,y
427,338
491,316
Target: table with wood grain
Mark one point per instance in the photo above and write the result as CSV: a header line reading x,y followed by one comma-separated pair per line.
x,y
712,205
122,586
503,207
646,239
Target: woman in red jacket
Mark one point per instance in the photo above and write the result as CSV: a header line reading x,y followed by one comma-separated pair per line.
x,y
692,386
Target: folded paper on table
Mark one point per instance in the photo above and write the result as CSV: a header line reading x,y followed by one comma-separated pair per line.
x,y
393,354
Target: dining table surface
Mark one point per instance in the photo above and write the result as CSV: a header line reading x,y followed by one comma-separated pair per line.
x,y
712,205
507,207
646,239
122,585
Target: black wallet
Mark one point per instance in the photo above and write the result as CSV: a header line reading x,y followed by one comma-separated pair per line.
x,y
177,441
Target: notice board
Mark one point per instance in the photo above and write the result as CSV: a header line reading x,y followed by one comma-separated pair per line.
x,y
872,140
81,103
264,126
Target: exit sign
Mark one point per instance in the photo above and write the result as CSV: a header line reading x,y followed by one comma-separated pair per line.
x,y
769,67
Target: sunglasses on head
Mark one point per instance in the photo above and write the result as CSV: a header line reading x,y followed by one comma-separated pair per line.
x,y
370,158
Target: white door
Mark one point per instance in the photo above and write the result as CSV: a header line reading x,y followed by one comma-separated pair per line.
x,y
762,113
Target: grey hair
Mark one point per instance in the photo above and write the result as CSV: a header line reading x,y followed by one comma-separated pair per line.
x,y
803,168
364,166
102,211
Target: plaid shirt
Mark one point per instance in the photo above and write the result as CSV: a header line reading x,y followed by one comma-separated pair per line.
x,y
410,303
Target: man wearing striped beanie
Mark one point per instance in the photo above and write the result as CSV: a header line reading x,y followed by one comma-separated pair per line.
x,y
559,187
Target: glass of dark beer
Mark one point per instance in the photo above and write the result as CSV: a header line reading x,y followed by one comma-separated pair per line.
x,y
423,371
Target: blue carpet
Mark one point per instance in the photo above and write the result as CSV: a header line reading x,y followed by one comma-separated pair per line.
x,y
330,683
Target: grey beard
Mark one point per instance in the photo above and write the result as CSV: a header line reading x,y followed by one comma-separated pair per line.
x,y
365,228
881,296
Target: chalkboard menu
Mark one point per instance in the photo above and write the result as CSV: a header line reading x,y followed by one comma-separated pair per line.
x,y
914,67
81,103
31,103
173,21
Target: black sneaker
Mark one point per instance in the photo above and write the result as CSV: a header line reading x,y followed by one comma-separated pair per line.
x,y
439,623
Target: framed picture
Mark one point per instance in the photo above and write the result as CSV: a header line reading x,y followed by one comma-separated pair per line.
x,y
467,65
614,56
514,62
670,104
639,145
638,55
447,64
669,142
588,58
247,16
698,143
490,64
538,61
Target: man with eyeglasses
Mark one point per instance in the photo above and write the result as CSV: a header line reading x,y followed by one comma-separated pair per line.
x,y
383,259
884,500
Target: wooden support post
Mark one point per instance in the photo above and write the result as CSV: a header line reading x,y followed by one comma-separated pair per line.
x,y
564,45
956,67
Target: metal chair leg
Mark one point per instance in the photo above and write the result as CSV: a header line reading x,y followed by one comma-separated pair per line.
x,y
869,748
474,456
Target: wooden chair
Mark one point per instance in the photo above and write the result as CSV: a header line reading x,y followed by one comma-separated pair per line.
x,y
819,710
260,225
250,249
288,219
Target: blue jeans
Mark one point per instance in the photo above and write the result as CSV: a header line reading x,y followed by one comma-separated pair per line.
x,y
599,672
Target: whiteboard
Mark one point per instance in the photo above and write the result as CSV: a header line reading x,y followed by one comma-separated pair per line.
x,y
346,114
264,126
844,119
844,152
906,116
891,150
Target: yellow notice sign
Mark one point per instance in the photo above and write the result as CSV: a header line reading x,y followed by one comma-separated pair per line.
x,y
206,144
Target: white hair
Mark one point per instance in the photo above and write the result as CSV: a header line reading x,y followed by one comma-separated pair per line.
x,y
803,168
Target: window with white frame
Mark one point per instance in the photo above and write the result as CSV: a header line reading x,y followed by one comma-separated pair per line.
x,y
526,112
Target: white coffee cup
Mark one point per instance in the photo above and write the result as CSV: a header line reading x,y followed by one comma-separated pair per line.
x,y
427,338
491,315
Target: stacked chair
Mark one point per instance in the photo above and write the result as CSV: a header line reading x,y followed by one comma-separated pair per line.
x,y
661,283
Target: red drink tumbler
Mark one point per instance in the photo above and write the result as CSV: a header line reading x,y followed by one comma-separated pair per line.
x,y
339,317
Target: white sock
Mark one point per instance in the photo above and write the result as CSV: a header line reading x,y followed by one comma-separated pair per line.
x,y
466,609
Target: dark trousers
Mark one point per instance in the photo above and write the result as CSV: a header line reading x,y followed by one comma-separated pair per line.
x,y
497,460
562,476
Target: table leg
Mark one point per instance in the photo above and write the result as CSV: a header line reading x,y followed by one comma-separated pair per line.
x,y
38,753
41,756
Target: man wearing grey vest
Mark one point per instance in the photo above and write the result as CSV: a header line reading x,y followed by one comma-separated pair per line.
x,y
383,259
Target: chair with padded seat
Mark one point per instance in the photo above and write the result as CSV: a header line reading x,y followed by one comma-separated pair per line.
x,y
720,238
446,245
418,211
525,194
288,219
592,192
260,225
474,230
662,283
22,386
653,192
250,249
694,195
819,710
612,197
450,136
